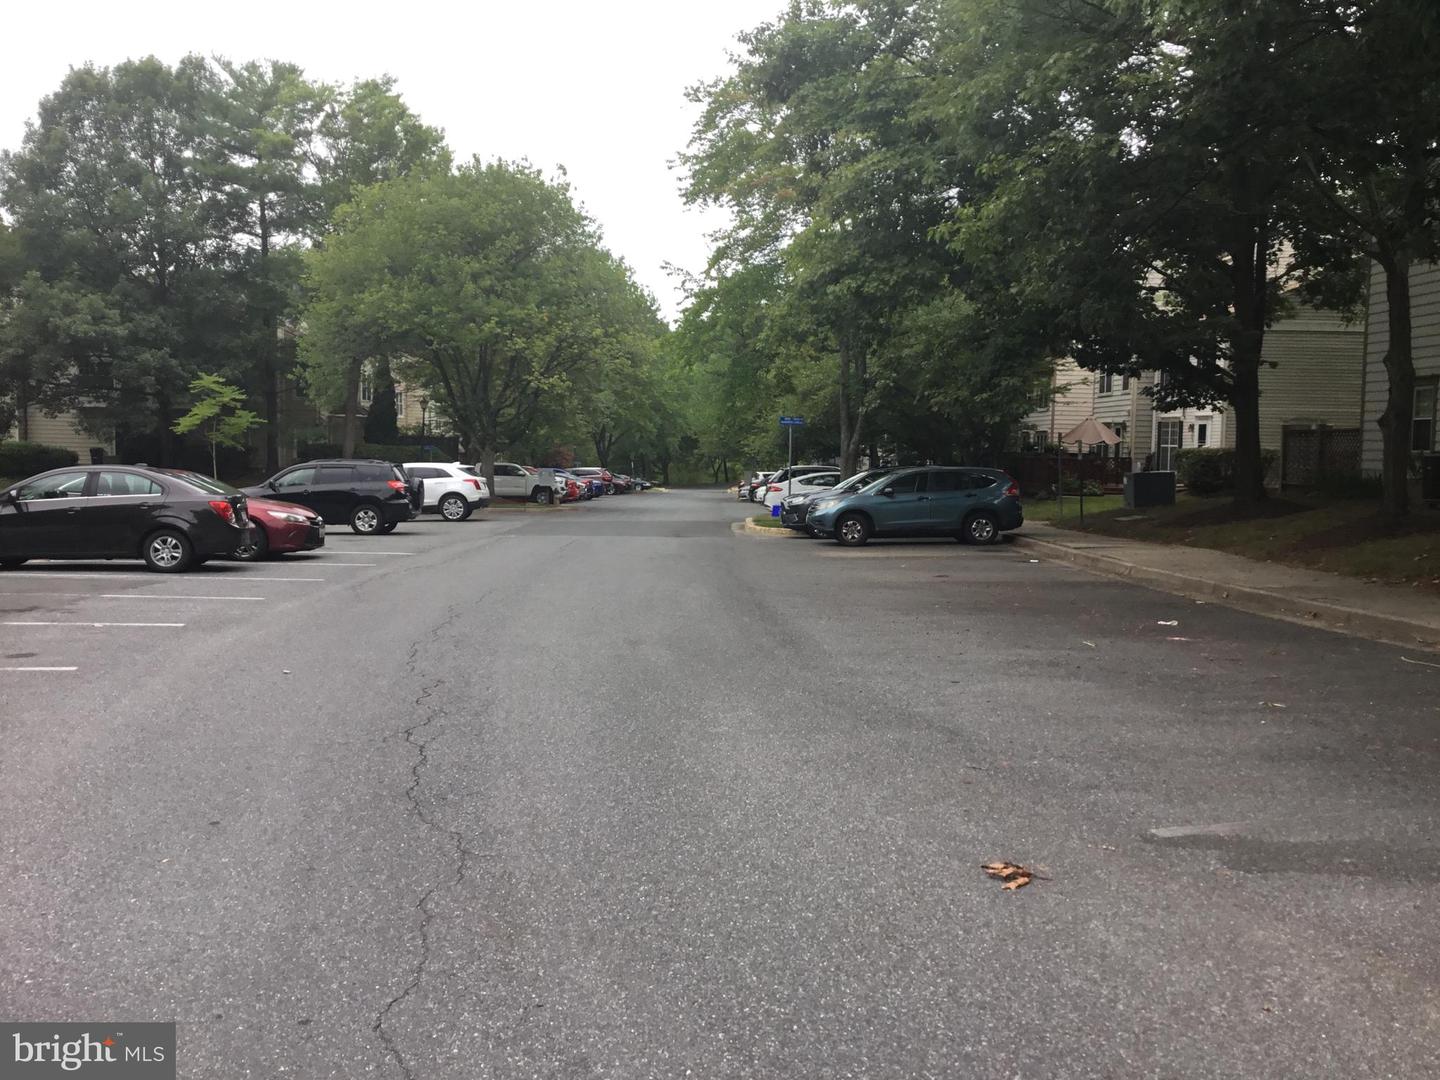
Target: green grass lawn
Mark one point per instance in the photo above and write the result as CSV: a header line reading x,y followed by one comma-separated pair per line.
x,y
765,521
1344,536
1053,511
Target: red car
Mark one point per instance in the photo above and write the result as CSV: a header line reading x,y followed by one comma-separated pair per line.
x,y
282,527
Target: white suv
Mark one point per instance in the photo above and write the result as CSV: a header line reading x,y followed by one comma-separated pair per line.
x,y
453,491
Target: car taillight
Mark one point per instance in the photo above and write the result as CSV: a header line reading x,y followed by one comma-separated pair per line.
x,y
776,487
224,509
1013,489
396,485
473,483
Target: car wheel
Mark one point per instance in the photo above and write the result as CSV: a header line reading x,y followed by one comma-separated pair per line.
x,y
255,552
10,564
852,530
981,528
454,508
366,519
168,551
543,496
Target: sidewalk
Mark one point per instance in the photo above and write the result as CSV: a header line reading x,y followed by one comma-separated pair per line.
x,y
1402,616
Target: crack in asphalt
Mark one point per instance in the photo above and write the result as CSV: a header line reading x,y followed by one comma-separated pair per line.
x,y
460,853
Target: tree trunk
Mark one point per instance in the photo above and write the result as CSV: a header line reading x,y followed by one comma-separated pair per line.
x,y
852,409
1395,422
1249,476
487,464
352,407
1251,278
22,410
270,390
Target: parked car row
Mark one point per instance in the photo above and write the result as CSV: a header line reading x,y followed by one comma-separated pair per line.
x,y
175,519
973,505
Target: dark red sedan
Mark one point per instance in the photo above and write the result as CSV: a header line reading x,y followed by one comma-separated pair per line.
x,y
282,527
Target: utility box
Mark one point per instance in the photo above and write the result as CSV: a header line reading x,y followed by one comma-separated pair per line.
x,y
1150,489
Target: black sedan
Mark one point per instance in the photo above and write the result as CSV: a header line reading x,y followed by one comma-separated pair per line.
x,y
119,512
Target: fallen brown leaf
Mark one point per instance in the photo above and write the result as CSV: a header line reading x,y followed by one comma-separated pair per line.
x,y
1013,875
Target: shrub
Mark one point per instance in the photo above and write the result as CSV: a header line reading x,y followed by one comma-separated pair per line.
x,y
22,459
1072,486
1211,470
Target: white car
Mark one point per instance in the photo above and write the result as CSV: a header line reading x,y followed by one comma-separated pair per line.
x,y
453,491
806,484
514,481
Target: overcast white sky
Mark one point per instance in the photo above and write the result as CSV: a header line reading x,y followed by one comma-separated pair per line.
x,y
596,87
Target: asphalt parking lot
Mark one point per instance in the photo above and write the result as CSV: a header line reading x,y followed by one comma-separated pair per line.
x,y
89,618
617,792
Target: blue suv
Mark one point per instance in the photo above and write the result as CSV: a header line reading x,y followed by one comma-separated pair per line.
x,y
973,505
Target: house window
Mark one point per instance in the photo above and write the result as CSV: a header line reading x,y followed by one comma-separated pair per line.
x,y
1107,383
1202,431
1125,382
1120,449
1422,419
367,389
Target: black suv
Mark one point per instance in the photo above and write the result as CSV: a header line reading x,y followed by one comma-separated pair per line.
x,y
371,496
120,512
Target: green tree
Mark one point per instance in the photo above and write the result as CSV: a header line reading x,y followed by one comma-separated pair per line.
x,y
122,230
1372,154
219,412
367,135
817,146
263,118
489,281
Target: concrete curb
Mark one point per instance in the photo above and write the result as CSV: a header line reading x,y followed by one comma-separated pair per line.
x,y
749,527
1346,620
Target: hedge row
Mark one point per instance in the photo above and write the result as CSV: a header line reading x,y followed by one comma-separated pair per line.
x,y
21,459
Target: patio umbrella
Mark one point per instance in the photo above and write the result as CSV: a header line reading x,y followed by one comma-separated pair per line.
x,y
1089,432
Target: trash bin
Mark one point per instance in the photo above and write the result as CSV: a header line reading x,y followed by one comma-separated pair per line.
x,y
1149,489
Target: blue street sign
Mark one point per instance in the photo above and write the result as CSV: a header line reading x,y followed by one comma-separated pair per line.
x,y
792,421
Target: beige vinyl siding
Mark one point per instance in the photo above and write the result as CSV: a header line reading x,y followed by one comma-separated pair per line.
x,y
62,430
1131,407
1425,337
1071,393
1317,380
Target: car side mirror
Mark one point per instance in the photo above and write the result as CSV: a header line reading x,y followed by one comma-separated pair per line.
x,y
888,492
12,496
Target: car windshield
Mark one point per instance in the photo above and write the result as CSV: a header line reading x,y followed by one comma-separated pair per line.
x,y
204,483
468,470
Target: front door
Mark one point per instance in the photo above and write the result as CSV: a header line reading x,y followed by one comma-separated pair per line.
x,y
117,515
906,509
44,521
297,486
1167,442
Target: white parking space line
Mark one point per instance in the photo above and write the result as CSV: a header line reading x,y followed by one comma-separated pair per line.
x,y
96,625
166,596
39,669
247,578
367,551
351,564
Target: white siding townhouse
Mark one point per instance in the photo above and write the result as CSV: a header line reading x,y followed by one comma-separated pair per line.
x,y
1425,339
